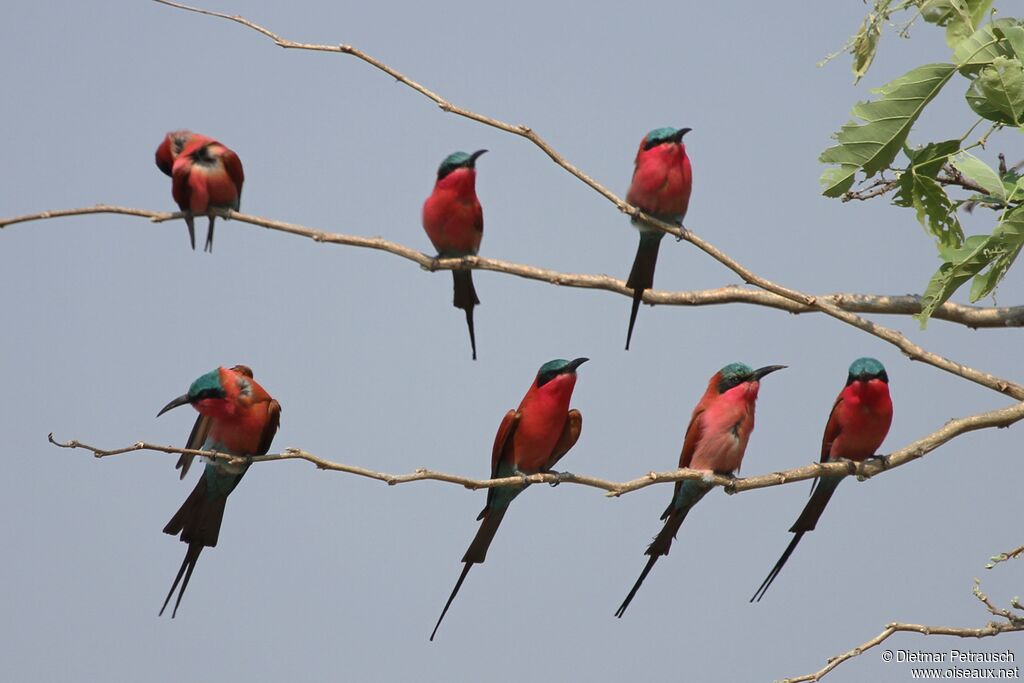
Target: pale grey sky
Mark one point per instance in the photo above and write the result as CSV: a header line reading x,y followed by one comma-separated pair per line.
x,y
322,576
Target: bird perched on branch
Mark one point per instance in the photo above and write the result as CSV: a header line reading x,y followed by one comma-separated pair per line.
x,y
454,222
531,439
715,441
662,180
205,175
240,419
856,427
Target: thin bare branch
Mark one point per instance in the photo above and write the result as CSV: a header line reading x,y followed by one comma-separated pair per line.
x,y
911,350
1002,417
974,317
1011,622
990,629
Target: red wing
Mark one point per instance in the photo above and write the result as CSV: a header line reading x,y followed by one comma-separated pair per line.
x,y
693,434
270,429
233,165
832,429
570,435
502,438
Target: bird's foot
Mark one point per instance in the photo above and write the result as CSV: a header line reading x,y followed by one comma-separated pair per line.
x,y
851,466
683,233
560,477
883,461
519,473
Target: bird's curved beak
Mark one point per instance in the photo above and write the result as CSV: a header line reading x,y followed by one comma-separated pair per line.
x,y
766,370
180,401
573,364
474,156
678,137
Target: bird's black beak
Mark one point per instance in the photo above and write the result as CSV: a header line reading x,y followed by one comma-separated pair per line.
x,y
678,137
766,370
180,401
573,364
474,156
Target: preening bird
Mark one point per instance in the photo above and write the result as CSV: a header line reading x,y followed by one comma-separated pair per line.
x,y
205,175
662,180
238,418
856,427
454,222
531,439
716,440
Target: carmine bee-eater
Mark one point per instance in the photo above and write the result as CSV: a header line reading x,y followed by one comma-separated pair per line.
x,y
661,185
241,420
856,427
531,439
454,223
715,441
206,175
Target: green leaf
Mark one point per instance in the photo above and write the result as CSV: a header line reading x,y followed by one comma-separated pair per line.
x,y
1014,35
981,173
864,46
918,189
871,146
961,265
997,92
964,21
996,251
1006,248
982,47
935,211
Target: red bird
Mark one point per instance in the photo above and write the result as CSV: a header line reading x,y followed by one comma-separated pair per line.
x,y
206,175
856,427
531,439
237,416
715,440
454,223
661,186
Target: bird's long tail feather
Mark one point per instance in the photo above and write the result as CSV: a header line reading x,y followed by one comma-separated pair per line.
x,y
190,224
687,495
658,547
807,520
198,521
187,565
209,236
641,276
466,299
475,554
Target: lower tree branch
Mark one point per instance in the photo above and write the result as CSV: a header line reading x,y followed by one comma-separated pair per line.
x,y
1003,417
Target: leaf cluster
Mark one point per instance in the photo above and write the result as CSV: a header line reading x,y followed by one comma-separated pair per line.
x,y
989,54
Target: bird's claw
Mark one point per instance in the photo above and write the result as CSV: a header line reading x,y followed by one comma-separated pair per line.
x,y
560,477
883,461
851,466
519,473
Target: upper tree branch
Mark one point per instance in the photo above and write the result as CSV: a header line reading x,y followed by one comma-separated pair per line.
x,y
973,317
911,350
1003,417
